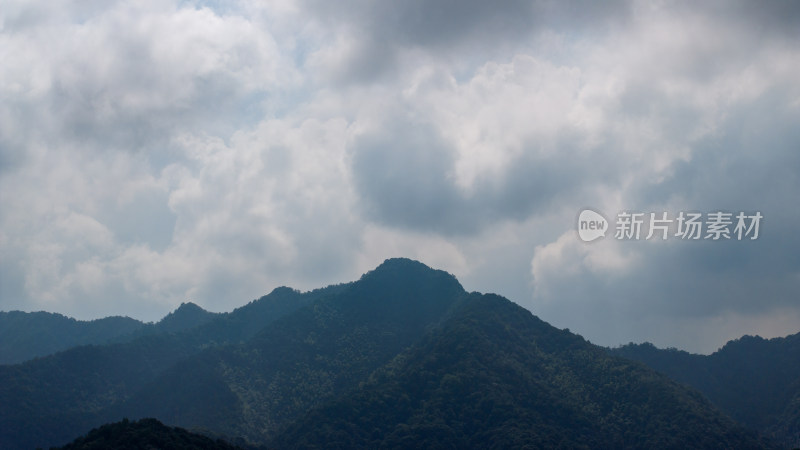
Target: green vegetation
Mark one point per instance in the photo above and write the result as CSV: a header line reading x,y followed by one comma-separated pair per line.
x,y
754,380
50,400
144,434
495,376
187,316
403,357
319,352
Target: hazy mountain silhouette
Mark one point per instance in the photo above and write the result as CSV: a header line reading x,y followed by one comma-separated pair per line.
x,y
25,336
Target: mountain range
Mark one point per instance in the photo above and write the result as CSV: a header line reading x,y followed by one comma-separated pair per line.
x,y
24,336
403,357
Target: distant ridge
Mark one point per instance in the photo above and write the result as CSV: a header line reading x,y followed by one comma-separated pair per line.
x,y
754,380
25,336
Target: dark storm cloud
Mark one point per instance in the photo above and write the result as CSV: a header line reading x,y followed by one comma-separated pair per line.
x,y
402,174
405,173
451,22
441,27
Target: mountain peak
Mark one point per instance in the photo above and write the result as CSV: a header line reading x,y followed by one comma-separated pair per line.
x,y
401,263
493,375
187,315
406,269
188,307
284,290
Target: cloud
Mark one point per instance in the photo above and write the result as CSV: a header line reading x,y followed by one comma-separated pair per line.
x,y
155,152
515,140
697,91
128,76
375,39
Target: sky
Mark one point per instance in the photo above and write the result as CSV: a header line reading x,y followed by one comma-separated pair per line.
x,y
157,152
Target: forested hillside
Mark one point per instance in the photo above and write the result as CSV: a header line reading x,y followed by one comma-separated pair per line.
x,y
754,380
403,357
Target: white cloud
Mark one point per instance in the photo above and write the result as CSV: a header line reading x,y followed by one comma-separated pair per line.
x,y
155,152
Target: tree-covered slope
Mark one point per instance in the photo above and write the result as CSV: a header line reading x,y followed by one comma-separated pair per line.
x,y
402,358
755,380
145,434
50,400
495,376
186,317
300,361
239,374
